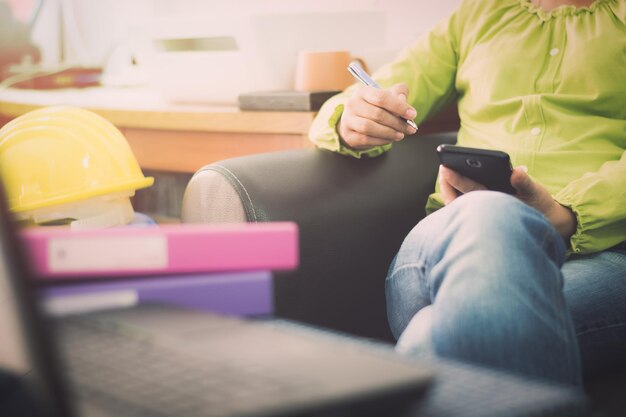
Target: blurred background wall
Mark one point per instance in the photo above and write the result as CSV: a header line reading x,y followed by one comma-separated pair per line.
x,y
93,28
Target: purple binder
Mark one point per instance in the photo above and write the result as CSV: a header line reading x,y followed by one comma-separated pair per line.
x,y
247,293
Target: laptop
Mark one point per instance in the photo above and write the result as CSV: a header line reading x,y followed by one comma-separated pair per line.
x,y
160,360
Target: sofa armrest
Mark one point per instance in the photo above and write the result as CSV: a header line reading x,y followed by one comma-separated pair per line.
x,y
352,214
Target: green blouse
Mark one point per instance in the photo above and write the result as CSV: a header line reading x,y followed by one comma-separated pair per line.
x,y
549,88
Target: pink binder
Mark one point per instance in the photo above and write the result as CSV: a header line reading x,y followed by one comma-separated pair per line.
x,y
170,249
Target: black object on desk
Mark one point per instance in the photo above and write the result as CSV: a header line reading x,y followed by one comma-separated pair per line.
x,y
15,397
284,100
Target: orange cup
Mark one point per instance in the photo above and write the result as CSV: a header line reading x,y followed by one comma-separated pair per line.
x,y
324,70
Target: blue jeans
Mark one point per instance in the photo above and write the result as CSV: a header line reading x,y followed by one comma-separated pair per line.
x,y
485,280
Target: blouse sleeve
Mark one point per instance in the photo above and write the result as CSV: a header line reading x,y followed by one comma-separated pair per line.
x,y
598,200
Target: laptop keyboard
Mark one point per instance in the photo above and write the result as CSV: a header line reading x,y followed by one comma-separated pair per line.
x,y
127,374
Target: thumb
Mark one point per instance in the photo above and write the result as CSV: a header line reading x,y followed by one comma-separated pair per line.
x,y
521,181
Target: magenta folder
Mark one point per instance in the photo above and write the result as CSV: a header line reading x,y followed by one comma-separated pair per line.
x,y
240,293
165,249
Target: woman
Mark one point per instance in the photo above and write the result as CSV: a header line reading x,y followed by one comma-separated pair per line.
x,y
530,283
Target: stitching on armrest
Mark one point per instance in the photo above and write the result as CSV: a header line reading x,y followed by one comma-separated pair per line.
x,y
254,217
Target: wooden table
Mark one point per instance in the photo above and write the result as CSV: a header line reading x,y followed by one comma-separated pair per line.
x,y
173,137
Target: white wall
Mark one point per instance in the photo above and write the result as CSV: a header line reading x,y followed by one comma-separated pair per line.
x,y
96,26
269,35
406,19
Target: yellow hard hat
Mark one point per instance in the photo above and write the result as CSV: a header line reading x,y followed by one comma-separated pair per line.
x,y
58,157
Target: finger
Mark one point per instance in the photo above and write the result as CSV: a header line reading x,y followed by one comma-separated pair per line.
x,y
529,191
461,183
387,100
532,192
381,116
523,184
448,193
371,128
400,90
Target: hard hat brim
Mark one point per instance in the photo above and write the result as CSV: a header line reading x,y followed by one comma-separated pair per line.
x,y
119,187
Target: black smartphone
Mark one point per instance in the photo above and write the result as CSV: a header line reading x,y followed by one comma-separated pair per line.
x,y
490,168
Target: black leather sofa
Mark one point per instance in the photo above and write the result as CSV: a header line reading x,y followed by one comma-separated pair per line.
x,y
352,216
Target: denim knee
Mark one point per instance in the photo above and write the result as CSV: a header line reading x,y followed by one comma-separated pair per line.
x,y
410,286
490,210
488,216
488,266
481,216
491,227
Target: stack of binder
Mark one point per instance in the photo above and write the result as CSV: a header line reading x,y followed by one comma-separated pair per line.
x,y
219,268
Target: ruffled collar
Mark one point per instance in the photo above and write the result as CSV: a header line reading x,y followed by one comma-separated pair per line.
x,y
567,10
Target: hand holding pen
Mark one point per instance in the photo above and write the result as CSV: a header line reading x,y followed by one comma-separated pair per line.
x,y
374,116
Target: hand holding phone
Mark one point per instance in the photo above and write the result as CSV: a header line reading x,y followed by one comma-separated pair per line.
x,y
487,167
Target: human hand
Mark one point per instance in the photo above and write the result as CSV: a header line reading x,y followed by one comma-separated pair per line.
x,y
371,117
537,196
451,183
528,191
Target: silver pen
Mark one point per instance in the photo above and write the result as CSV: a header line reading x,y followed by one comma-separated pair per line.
x,y
359,73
